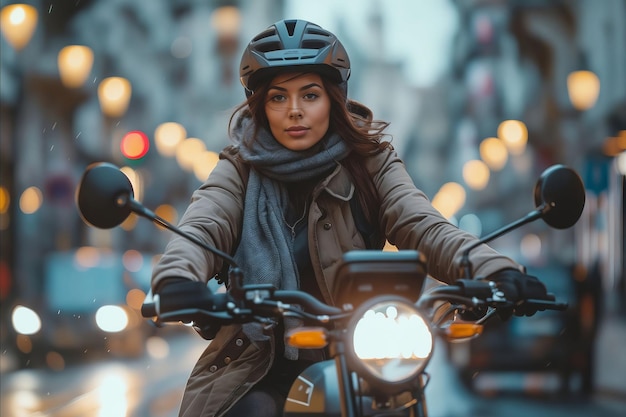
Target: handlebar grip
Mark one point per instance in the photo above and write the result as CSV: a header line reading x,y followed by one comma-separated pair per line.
x,y
478,288
183,303
148,307
547,304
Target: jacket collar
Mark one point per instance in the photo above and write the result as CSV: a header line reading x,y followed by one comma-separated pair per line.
x,y
338,184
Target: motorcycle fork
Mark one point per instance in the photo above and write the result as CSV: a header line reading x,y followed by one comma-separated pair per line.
x,y
346,388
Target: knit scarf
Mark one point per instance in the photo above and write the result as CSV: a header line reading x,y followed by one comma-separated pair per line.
x,y
265,252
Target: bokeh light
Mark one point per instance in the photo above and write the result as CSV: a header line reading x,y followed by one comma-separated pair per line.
x,y
494,153
157,347
31,200
18,23
583,88
530,247
225,20
204,164
449,199
514,134
5,200
87,257
75,62
476,174
187,151
471,223
167,136
135,298
167,213
132,260
114,96
135,145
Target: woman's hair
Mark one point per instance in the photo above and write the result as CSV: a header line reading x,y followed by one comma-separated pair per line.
x,y
352,121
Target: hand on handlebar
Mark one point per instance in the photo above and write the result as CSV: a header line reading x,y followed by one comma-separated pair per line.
x,y
518,288
179,294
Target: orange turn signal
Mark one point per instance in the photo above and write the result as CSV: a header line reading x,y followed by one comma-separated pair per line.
x,y
307,337
463,330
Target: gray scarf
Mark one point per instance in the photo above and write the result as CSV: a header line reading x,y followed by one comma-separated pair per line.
x,y
265,252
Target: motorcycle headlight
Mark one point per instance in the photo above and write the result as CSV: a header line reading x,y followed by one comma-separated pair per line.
x,y
391,343
25,320
112,318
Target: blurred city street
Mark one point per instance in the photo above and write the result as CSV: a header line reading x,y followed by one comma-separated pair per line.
x,y
481,97
513,395
152,387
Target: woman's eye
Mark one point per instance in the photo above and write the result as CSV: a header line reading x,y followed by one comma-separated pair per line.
x,y
277,98
310,96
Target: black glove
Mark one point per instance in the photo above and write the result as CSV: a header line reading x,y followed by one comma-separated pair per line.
x,y
180,293
519,287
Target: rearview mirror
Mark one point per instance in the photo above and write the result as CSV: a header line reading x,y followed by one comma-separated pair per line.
x,y
560,195
103,195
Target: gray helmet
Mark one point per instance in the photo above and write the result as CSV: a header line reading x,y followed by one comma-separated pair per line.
x,y
294,43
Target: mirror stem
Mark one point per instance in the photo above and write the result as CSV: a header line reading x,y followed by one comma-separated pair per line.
x,y
137,208
466,265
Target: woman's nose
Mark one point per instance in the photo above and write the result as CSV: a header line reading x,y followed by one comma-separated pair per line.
x,y
295,111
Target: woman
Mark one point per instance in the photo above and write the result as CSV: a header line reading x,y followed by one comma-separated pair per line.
x,y
309,178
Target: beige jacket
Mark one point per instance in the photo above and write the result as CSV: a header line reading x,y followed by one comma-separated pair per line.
x,y
407,220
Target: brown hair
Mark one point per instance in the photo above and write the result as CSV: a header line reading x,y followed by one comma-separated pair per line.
x,y
350,120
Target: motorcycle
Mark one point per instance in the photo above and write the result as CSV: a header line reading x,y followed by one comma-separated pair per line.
x,y
381,333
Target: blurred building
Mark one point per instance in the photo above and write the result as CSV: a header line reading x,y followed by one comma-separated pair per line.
x,y
510,61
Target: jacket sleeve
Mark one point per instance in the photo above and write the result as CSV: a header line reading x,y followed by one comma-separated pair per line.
x,y
213,216
409,221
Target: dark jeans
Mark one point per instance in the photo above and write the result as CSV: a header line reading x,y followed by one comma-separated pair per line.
x,y
267,398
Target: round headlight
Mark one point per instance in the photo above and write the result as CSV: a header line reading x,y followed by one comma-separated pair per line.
x,y
25,320
111,318
390,341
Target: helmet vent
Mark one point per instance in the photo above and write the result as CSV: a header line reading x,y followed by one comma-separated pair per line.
x,y
291,26
313,44
265,34
268,47
314,31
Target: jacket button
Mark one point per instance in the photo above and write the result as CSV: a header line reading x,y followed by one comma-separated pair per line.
x,y
227,360
327,226
213,368
239,342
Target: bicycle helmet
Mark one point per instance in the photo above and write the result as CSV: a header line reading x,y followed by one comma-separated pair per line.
x,y
293,43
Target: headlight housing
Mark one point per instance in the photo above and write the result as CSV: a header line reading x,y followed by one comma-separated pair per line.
x,y
389,343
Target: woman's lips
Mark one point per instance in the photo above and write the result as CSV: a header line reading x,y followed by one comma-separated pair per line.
x,y
296,131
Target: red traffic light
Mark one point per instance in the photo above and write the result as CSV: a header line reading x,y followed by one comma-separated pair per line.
x,y
135,145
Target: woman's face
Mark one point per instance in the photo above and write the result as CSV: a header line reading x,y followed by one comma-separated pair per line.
x,y
298,110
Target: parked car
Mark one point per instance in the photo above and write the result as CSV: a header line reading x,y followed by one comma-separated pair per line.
x,y
560,342
90,302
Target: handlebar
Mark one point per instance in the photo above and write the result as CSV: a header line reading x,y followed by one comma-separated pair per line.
x,y
258,300
481,294
263,302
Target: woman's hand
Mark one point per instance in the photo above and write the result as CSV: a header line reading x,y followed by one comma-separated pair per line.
x,y
519,287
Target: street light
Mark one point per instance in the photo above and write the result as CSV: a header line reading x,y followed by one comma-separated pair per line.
x,y
514,134
114,96
494,152
449,199
75,63
18,22
583,88
476,174
226,21
167,136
